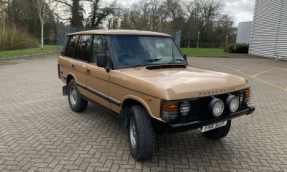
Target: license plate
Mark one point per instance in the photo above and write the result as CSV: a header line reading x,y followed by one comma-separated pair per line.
x,y
213,126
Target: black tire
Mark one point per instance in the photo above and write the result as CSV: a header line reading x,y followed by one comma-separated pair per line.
x,y
79,104
218,133
145,138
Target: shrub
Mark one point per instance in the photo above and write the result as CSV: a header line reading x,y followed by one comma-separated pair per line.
x,y
237,48
12,39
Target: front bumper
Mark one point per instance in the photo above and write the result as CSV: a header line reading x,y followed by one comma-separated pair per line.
x,y
181,127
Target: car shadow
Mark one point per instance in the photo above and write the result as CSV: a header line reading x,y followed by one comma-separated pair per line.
x,y
188,149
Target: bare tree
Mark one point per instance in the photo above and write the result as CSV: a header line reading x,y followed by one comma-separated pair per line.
x,y
45,10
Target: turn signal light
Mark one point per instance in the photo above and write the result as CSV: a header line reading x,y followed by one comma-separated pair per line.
x,y
169,106
247,93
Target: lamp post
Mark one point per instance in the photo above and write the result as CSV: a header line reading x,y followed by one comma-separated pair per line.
x,y
198,38
188,39
226,40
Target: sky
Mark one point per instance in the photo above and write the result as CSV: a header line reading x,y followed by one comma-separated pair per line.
x,y
241,10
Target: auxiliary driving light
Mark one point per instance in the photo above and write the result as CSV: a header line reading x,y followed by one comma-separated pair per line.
x,y
184,108
232,103
216,107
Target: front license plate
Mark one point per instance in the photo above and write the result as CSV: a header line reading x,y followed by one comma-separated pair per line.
x,y
213,126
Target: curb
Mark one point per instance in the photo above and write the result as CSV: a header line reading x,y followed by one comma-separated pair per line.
x,y
27,56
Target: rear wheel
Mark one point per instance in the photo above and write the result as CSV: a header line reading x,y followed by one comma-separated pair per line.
x,y
77,103
218,133
141,133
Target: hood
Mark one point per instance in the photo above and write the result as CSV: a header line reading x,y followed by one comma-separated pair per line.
x,y
180,83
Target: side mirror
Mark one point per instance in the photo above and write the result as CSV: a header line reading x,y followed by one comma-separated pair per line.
x,y
184,56
102,60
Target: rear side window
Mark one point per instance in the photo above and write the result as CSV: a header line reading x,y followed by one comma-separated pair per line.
x,y
84,47
71,46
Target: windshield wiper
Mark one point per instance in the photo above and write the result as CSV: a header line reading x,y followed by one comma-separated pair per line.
x,y
182,60
147,61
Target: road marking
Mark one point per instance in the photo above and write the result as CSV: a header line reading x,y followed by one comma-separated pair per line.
x,y
263,72
242,68
285,89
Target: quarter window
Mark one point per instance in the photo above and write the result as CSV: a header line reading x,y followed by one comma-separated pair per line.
x,y
83,51
72,46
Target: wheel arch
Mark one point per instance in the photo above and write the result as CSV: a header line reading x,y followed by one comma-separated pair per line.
x,y
70,77
129,101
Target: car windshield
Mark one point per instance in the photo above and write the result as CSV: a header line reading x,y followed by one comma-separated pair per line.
x,y
143,50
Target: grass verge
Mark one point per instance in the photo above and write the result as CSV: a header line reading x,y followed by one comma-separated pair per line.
x,y
203,52
30,51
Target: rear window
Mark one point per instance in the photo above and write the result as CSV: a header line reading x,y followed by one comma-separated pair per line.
x,y
71,46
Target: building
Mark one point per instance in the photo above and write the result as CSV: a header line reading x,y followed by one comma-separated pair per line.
x,y
243,32
269,31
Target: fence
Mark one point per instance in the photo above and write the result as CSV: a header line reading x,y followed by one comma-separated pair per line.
x,y
62,32
205,45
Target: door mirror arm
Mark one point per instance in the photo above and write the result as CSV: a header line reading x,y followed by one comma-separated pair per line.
x,y
184,56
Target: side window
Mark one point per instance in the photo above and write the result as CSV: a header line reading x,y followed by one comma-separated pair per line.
x,y
70,51
83,50
99,46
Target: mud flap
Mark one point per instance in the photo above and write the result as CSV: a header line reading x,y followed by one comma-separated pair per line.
x,y
65,90
122,121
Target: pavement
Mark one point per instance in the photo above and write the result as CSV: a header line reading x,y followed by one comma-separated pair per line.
x,y
39,131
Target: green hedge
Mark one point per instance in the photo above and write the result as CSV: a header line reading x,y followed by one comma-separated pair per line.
x,y
237,48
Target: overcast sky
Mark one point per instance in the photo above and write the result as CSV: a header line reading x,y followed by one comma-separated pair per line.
x,y
242,10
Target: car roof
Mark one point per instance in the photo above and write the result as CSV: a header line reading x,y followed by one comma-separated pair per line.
x,y
120,32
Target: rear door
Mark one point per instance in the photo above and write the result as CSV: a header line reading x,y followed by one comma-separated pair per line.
x,y
97,77
81,59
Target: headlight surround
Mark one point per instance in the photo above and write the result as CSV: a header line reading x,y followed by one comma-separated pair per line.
x,y
232,103
216,107
184,108
169,110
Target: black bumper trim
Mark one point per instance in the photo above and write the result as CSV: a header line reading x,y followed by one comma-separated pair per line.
x,y
175,128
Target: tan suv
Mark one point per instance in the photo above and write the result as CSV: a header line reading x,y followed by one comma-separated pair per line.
x,y
143,78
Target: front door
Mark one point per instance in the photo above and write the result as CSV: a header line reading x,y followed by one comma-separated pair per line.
x,y
97,77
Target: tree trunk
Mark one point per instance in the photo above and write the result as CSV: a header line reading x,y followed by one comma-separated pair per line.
x,y
42,35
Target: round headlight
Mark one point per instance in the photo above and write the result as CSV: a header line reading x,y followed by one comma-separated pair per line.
x,y
184,108
232,102
216,107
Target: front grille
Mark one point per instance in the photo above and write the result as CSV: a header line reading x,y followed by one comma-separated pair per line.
x,y
199,107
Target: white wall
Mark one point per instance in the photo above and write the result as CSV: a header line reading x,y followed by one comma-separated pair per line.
x,y
243,32
269,33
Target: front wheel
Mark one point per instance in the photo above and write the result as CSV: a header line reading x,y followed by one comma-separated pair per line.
x,y
218,133
141,133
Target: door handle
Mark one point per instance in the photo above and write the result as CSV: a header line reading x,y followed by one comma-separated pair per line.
x,y
73,66
89,71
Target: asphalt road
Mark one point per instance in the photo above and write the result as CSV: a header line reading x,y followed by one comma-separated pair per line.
x,y
39,131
